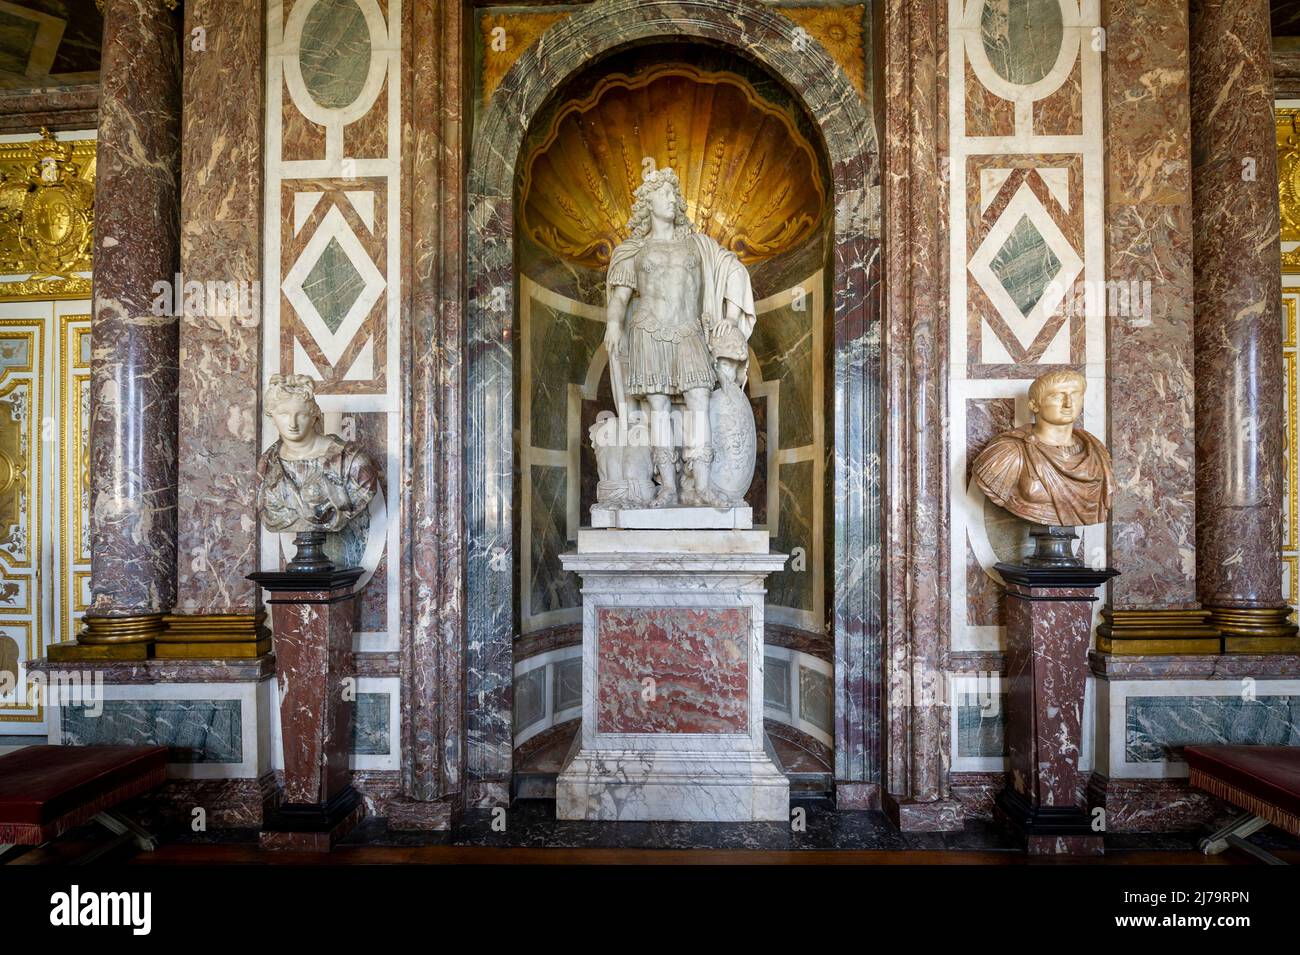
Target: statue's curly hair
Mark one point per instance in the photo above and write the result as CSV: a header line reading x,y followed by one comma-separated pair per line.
x,y
638,224
283,387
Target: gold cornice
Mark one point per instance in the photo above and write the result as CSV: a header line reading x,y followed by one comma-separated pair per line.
x,y
750,178
521,31
45,288
840,30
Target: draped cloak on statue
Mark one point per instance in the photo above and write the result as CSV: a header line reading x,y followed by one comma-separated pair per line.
x,y
1046,484
722,279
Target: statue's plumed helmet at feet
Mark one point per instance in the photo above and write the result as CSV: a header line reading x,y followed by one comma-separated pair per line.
x,y
309,480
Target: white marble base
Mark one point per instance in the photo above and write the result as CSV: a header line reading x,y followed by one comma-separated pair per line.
x,y
682,611
626,786
674,518
651,545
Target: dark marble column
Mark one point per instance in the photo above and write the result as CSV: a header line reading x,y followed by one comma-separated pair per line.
x,y
134,350
1238,332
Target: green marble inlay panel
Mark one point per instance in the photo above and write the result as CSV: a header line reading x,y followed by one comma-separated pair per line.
x,y
551,586
17,37
1158,727
333,285
562,348
793,586
567,688
1025,265
782,343
530,698
1022,38
815,698
334,54
980,724
196,731
370,735
776,683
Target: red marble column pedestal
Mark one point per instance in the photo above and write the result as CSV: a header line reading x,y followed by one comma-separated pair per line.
x,y
1049,622
315,668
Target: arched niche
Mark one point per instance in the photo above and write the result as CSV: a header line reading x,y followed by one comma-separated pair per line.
x,y
774,43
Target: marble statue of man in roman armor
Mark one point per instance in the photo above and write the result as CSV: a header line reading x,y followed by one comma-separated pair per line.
x,y
1050,472
684,308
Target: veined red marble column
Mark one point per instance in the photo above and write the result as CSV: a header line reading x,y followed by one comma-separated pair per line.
x,y
1151,391
216,607
1239,402
216,612
134,350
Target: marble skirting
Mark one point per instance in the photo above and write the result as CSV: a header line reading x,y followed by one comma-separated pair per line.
x,y
154,671
1219,666
1155,805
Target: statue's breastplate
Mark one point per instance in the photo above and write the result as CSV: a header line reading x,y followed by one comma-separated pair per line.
x,y
668,284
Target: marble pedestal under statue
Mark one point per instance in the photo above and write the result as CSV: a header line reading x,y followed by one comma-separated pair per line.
x,y
1049,622
313,616
672,679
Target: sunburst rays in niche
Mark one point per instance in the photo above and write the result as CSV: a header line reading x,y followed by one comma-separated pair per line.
x,y
751,179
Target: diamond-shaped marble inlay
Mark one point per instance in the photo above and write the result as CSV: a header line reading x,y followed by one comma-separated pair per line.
x,y
333,285
1025,265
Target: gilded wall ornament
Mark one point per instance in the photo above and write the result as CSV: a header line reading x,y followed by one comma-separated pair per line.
x,y
47,215
1288,172
840,31
505,38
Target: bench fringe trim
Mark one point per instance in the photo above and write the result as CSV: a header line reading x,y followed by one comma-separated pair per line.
x,y
1247,801
32,834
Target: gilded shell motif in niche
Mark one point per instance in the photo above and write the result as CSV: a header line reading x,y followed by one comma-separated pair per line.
x,y
751,179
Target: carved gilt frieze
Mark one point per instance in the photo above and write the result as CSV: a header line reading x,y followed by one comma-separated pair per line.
x,y
47,217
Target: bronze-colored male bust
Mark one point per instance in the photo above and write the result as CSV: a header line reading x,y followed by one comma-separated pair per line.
x,y
1050,472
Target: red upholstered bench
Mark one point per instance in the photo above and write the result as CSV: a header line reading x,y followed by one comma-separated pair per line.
x,y
1262,780
47,790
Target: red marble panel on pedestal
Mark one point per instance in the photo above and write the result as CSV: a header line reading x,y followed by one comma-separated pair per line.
x,y
1047,648
698,659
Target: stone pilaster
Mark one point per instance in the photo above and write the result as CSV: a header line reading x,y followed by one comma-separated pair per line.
x,y
134,350
1238,336
1153,606
220,332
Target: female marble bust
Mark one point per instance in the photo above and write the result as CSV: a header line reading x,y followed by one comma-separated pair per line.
x,y
685,308
1050,472
309,481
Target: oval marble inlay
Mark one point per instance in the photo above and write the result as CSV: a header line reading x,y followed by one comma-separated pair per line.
x,y
1022,38
334,53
